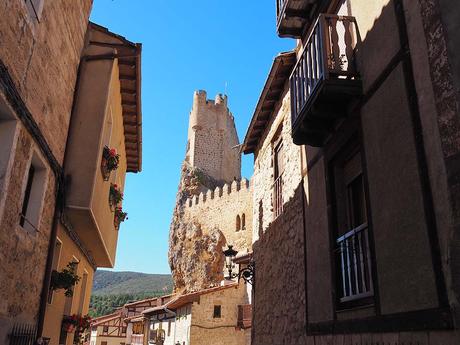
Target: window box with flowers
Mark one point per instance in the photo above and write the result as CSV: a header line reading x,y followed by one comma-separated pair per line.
x,y
119,217
115,196
65,279
109,162
76,323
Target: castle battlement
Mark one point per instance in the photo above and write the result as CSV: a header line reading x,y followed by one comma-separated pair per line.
x,y
235,189
212,144
200,98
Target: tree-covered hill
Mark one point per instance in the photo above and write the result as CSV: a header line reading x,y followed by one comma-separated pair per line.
x,y
115,283
112,290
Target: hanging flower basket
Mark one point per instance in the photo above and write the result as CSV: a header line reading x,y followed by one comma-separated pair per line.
x,y
115,196
119,217
109,162
65,279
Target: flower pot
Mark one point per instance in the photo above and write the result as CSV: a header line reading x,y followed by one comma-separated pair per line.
x,y
112,204
116,224
68,327
105,170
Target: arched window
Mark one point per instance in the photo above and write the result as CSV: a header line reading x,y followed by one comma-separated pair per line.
x,y
243,222
238,223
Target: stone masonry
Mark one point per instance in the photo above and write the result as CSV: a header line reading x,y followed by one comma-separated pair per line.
x,y
211,196
39,62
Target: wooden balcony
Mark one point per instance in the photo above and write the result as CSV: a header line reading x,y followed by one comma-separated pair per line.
x,y
245,316
324,80
294,16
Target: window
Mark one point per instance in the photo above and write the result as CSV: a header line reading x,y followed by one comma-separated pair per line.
x,y
243,222
123,330
56,256
105,329
353,254
35,8
217,312
238,223
32,201
103,343
83,287
278,166
7,134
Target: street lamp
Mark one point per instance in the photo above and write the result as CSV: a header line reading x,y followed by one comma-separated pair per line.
x,y
246,273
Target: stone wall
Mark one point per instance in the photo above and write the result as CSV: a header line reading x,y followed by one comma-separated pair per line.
x,y
263,177
279,291
212,138
211,196
220,208
41,58
205,329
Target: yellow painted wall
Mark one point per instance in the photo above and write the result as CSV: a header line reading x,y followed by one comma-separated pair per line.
x,y
55,311
114,139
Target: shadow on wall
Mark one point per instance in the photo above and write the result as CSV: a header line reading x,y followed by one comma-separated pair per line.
x,y
279,291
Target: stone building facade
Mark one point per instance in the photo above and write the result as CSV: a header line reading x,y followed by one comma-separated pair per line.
x,y
363,249
197,318
48,50
34,121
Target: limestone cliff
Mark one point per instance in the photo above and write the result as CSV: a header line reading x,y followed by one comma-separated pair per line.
x,y
195,258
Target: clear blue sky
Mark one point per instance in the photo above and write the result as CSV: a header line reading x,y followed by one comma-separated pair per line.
x,y
187,45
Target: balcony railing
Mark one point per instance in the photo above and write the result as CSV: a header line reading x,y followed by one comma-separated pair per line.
x,y
278,196
292,16
355,264
280,4
326,70
244,316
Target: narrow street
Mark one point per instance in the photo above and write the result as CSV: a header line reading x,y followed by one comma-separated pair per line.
x,y
229,173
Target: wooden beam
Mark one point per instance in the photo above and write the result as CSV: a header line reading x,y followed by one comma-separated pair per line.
x,y
128,91
129,103
292,13
127,77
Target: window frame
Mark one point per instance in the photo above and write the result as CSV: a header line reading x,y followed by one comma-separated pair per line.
x,y
348,150
217,312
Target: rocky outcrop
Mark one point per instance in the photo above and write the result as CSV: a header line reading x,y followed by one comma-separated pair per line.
x,y
195,257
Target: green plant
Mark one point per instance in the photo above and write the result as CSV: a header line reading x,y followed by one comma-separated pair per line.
x,y
115,195
119,216
65,279
111,157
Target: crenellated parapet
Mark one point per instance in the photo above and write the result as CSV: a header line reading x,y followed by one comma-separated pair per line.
x,y
213,144
234,190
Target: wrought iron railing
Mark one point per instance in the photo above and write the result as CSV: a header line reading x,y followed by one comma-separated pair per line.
x,y
327,54
355,264
244,316
278,196
23,334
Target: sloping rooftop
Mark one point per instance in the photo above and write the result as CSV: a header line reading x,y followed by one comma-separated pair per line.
x,y
271,93
182,300
129,65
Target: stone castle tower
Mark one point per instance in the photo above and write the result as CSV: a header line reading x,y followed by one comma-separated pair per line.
x,y
214,205
212,144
